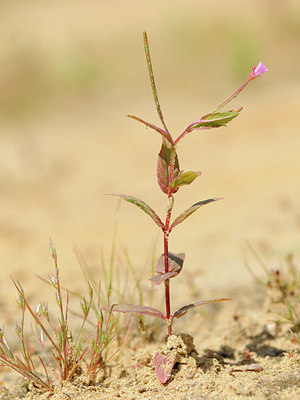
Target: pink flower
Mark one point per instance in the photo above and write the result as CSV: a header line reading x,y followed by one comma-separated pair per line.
x,y
260,69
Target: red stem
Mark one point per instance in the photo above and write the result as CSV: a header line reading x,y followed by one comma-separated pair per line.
x,y
166,242
167,282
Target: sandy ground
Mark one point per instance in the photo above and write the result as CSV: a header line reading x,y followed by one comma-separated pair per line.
x,y
230,341
65,142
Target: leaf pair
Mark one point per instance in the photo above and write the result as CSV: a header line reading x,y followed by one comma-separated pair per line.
x,y
153,312
148,210
208,121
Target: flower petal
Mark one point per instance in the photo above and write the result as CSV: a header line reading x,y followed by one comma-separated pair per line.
x,y
260,69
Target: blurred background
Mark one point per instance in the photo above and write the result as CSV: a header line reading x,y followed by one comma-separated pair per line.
x,y
71,71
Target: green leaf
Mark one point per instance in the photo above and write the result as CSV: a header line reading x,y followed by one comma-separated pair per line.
x,y
164,133
185,178
209,121
190,211
215,120
163,165
141,204
183,310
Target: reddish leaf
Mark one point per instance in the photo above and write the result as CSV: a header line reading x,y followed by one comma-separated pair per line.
x,y
175,267
163,366
175,263
183,310
141,204
190,211
160,278
163,166
165,134
126,308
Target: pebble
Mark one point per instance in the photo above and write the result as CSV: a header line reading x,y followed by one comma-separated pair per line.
x,y
254,367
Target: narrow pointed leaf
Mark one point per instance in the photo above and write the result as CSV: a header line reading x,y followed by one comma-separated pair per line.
x,y
190,211
127,308
211,120
215,120
163,365
163,165
165,134
185,178
141,204
183,310
152,81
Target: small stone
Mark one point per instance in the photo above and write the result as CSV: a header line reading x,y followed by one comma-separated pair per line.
x,y
272,329
190,375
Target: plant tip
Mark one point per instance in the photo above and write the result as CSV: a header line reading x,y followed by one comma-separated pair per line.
x,y
257,71
53,251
